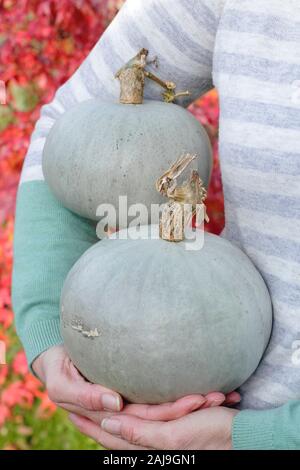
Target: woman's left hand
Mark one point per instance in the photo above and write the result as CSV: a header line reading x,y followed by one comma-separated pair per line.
x,y
206,429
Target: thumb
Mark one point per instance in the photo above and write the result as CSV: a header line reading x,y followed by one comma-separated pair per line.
x,y
78,392
94,397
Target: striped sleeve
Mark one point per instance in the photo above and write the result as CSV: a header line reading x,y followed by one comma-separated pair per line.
x,y
48,237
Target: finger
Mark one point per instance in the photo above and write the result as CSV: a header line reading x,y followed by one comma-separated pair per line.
x,y
139,432
214,399
85,395
233,398
94,431
166,411
95,416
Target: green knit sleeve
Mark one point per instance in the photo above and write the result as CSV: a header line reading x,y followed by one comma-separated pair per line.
x,y
275,429
48,241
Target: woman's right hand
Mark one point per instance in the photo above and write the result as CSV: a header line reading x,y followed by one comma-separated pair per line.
x,y
69,390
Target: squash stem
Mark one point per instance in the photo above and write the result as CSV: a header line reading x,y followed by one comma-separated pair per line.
x,y
132,81
184,201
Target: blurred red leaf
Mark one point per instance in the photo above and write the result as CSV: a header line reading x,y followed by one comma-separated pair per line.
x,y
19,364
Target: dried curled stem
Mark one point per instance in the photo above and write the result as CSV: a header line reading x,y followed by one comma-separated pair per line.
x,y
184,201
132,78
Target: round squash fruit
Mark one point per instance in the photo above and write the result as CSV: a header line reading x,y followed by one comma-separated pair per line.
x,y
98,151
156,322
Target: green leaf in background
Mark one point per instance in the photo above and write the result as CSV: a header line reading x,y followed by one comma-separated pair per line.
x,y
56,433
2,39
25,97
6,117
36,45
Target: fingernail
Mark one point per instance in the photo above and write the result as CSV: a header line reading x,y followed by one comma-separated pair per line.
x,y
197,405
111,402
216,403
112,426
234,401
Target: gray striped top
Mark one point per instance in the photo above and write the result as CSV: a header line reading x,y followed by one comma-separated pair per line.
x,y
249,50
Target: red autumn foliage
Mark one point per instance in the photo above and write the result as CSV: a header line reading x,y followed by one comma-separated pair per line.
x,y
42,42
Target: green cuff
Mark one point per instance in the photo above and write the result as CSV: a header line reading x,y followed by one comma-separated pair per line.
x,y
254,430
39,337
278,428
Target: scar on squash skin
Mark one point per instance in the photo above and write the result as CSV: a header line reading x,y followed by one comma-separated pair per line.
x,y
78,326
88,333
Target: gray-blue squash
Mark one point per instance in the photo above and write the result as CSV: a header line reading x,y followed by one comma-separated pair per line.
x,y
98,151
156,322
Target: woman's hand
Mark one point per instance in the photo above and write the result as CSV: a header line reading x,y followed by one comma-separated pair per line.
x,y
208,429
69,390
